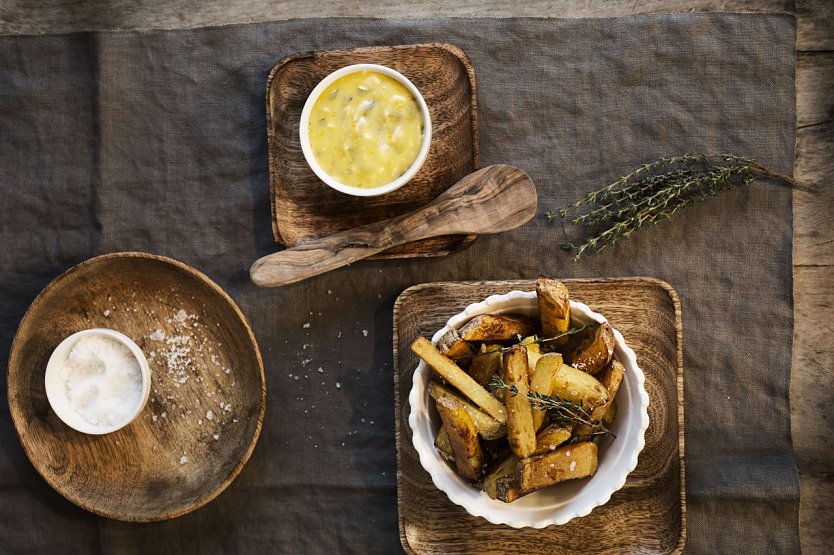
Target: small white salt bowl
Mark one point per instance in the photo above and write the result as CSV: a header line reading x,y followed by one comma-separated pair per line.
x,y
562,502
304,132
56,390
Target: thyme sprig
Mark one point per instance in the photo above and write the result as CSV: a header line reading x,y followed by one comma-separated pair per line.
x,y
542,340
655,191
561,411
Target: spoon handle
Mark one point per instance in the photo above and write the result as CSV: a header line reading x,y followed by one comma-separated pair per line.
x,y
496,198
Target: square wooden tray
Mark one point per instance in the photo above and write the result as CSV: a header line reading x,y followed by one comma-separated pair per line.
x,y
648,515
304,208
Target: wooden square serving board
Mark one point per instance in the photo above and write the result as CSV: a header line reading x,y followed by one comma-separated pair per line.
x,y
304,208
648,515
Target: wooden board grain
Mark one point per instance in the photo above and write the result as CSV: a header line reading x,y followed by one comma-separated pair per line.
x,y
647,515
304,208
207,398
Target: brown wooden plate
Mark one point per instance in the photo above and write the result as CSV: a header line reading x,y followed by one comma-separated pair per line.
x,y
648,515
207,397
304,208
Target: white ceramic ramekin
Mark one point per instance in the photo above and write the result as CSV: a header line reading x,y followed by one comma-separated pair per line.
x,y
304,132
56,390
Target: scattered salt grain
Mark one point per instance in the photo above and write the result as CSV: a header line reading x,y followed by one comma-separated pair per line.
x,y
306,326
365,333
209,415
567,453
106,313
338,385
184,459
572,466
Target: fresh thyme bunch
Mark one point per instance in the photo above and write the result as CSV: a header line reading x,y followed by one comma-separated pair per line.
x,y
655,191
542,340
563,411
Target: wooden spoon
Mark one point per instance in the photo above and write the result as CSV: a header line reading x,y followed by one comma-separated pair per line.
x,y
496,198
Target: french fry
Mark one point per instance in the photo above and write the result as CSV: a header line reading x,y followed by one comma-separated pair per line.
x,y
554,309
541,381
487,426
520,431
459,379
462,436
565,463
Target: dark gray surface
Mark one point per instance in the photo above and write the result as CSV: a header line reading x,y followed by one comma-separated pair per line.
x,y
156,141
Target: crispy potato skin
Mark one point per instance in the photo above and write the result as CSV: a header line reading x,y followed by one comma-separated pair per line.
x,y
595,352
496,327
459,379
520,431
565,463
554,309
461,352
462,436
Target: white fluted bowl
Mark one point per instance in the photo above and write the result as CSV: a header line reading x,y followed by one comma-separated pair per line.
x,y
562,502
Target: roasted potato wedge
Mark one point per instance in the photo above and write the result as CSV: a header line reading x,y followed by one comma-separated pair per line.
x,y
443,446
534,350
485,364
554,309
496,327
551,437
502,483
461,352
612,377
565,463
610,414
463,437
595,352
541,381
520,431
459,379
578,387
487,426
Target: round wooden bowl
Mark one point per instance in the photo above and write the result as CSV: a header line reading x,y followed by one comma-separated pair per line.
x,y
208,392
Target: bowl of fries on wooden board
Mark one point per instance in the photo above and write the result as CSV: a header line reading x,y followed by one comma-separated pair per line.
x,y
528,409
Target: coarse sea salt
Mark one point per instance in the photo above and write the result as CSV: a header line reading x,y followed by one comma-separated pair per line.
x,y
103,380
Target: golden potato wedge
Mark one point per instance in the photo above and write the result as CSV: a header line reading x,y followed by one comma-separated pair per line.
x,y
443,446
554,309
461,352
565,463
487,426
578,387
463,437
459,379
611,378
534,352
486,363
551,437
541,381
496,327
610,414
501,483
595,352
520,431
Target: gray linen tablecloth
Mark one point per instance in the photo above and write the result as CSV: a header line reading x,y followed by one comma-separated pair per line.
x,y
156,141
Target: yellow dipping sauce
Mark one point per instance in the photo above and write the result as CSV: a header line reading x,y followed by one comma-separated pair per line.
x,y
366,129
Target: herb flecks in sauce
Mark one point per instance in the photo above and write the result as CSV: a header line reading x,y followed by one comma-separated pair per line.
x,y
366,129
